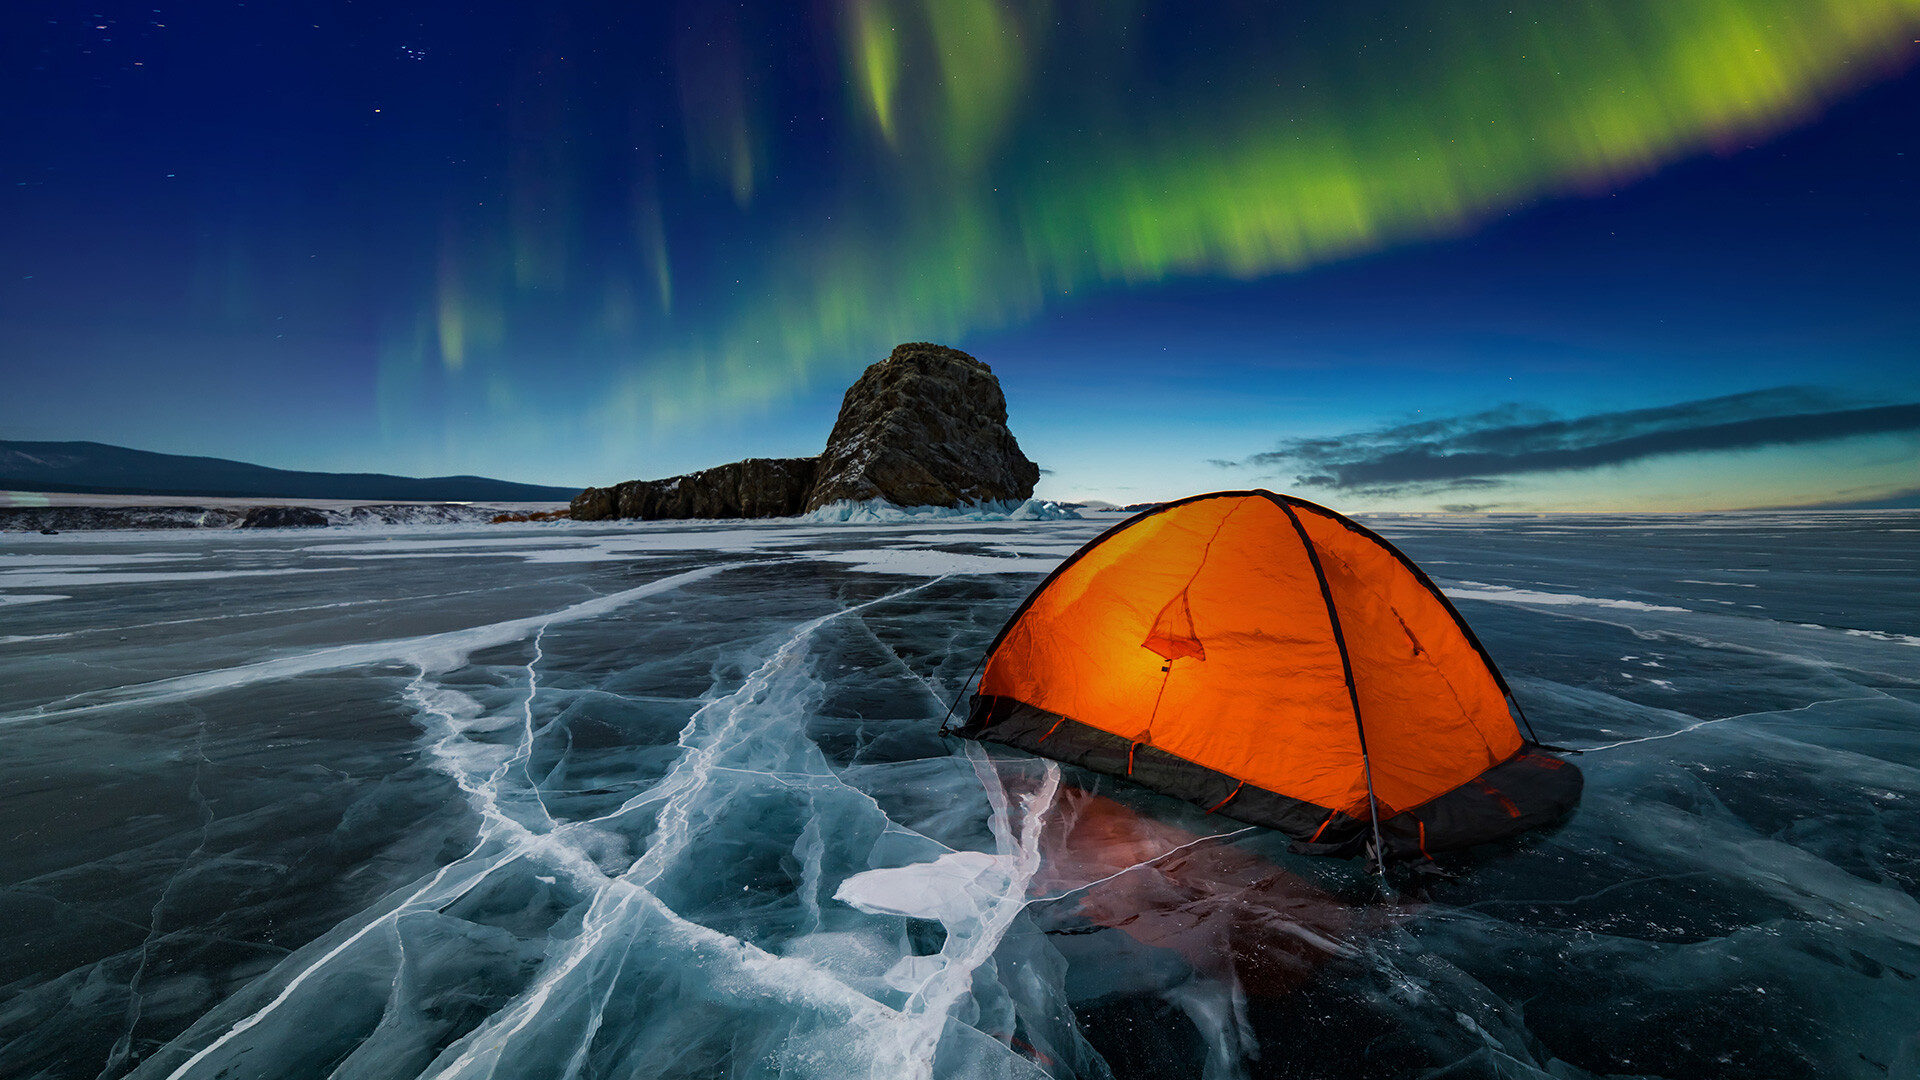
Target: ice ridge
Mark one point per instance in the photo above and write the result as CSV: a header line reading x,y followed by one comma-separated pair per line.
x,y
573,1016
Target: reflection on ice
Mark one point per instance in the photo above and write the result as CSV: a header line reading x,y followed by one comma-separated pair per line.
x,y
676,807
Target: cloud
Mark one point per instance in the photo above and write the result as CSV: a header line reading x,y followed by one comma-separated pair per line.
x,y
1894,500
1477,449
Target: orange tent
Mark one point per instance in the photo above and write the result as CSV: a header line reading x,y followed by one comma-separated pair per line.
x,y
1277,663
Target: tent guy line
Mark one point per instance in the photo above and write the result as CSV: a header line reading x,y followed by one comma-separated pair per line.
x,y
1697,725
1167,854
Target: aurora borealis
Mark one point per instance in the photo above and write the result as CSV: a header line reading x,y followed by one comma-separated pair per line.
x,y
583,242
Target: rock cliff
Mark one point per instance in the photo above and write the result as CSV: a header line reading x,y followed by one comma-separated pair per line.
x,y
284,517
756,487
927,426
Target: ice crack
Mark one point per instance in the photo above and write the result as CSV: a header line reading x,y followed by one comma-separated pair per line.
x,y
122,1049
1696,726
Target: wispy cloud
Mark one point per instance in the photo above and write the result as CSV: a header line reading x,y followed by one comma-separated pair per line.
x,y
1894,500
1478,450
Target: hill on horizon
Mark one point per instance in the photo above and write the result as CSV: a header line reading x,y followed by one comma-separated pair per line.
x,y
91,468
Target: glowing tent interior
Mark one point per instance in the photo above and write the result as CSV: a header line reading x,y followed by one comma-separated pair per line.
x,y
1277,663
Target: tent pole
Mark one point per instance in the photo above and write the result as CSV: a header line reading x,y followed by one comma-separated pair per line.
x,y
1353,693
963,693
1523,717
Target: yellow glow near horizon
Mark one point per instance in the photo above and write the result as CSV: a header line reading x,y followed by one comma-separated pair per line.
x,y
1865,469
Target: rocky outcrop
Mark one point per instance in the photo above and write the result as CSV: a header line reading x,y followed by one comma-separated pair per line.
x,y
284,517
88,518
756,487
537,515
927,426
415,514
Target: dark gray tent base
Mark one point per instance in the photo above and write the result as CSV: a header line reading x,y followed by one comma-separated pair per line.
x,y
1527,791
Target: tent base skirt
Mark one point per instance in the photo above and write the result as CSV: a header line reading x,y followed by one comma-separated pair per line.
x,y
1527,791
1530,790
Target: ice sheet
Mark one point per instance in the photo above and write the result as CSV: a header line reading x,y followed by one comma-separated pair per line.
x,y
18,561
669,801
923,563
51,579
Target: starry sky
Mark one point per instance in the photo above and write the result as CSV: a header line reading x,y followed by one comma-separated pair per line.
x,y
1385,254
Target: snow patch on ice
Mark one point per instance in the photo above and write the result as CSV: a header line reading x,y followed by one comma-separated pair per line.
x,y
1881,635
923,563
1870,635
440,544
39,579
642,536
1010,541
998,536
1477,590
945,889
29,598
10,560
532,555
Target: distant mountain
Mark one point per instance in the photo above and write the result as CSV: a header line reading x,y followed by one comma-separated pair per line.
x,y
93,468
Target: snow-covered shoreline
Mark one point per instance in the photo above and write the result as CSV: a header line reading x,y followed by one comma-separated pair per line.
x,y
33,512
119,512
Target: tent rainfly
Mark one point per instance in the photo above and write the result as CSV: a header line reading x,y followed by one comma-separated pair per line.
x,y
1279,664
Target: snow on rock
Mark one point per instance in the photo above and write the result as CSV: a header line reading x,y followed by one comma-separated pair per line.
x,y
882,512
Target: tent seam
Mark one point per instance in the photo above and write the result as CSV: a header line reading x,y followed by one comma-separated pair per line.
x,y
1431,661
1346,666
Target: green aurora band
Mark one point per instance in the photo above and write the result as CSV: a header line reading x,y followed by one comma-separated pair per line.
x,y
999,156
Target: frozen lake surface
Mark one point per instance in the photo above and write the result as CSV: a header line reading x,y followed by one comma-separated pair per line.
x,y
574,801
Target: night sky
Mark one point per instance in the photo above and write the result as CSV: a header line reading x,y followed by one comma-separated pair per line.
x,y
1385,254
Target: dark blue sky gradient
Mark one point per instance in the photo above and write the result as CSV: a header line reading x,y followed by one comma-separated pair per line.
x,y
211,242
1788,263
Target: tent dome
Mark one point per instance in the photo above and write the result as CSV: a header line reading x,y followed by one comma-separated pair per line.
x,y
1276,663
